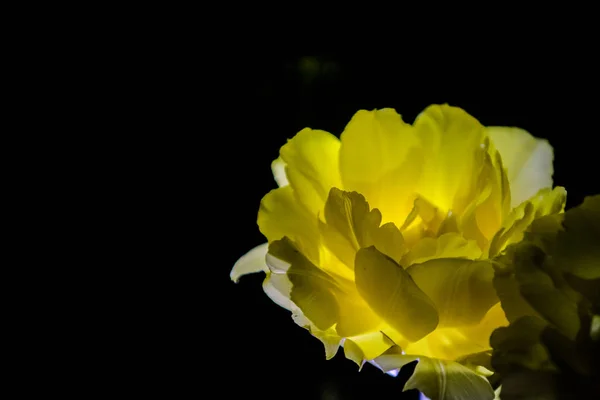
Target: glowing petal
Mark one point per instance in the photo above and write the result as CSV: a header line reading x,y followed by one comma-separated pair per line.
x,y
281,215
252,261
366,347
528,161
461,290
450,137
380,157
312,166
448,245
391,293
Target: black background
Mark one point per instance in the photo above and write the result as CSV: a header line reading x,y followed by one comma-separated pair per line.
x,y
255,349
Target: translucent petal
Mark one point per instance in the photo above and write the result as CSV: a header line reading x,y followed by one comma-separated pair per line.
x,y
450,138
312,167
252,261
281,215
380,157
448,245
366,347
528,161
391,293
461,290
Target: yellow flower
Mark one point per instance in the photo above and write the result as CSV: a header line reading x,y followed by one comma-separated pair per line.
x,y
379,240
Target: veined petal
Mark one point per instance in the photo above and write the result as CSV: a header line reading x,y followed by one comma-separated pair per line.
x,y
380,157
312,166
448,380
252,261
461,290
392,294
528,161
350,224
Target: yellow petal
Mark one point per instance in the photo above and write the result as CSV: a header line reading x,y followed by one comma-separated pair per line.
x,y
450,138
528,161
312,166
448,245
545,202
351,225
312,289
392,294
448,380
281,215
461,290
252,261
366,347
381,159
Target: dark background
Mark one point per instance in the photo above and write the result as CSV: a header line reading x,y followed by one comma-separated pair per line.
x,y
258,350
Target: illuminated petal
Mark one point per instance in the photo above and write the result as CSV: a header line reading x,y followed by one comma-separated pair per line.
x,y
545,202
350,224
528,161
252,261
458,343
278,169
448,380
281,215
312,166
392,294
461,290
380,157
366,347
450,138
448,245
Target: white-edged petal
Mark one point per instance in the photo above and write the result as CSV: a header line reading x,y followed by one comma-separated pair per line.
x,y
251,262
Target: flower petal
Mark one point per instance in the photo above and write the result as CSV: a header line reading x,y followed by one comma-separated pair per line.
x,y
392,294
380,157
281,215
312,289
366,347
528,161
448,380
312,166
252,261
450,138
352,225
461,290
545,202
278,169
